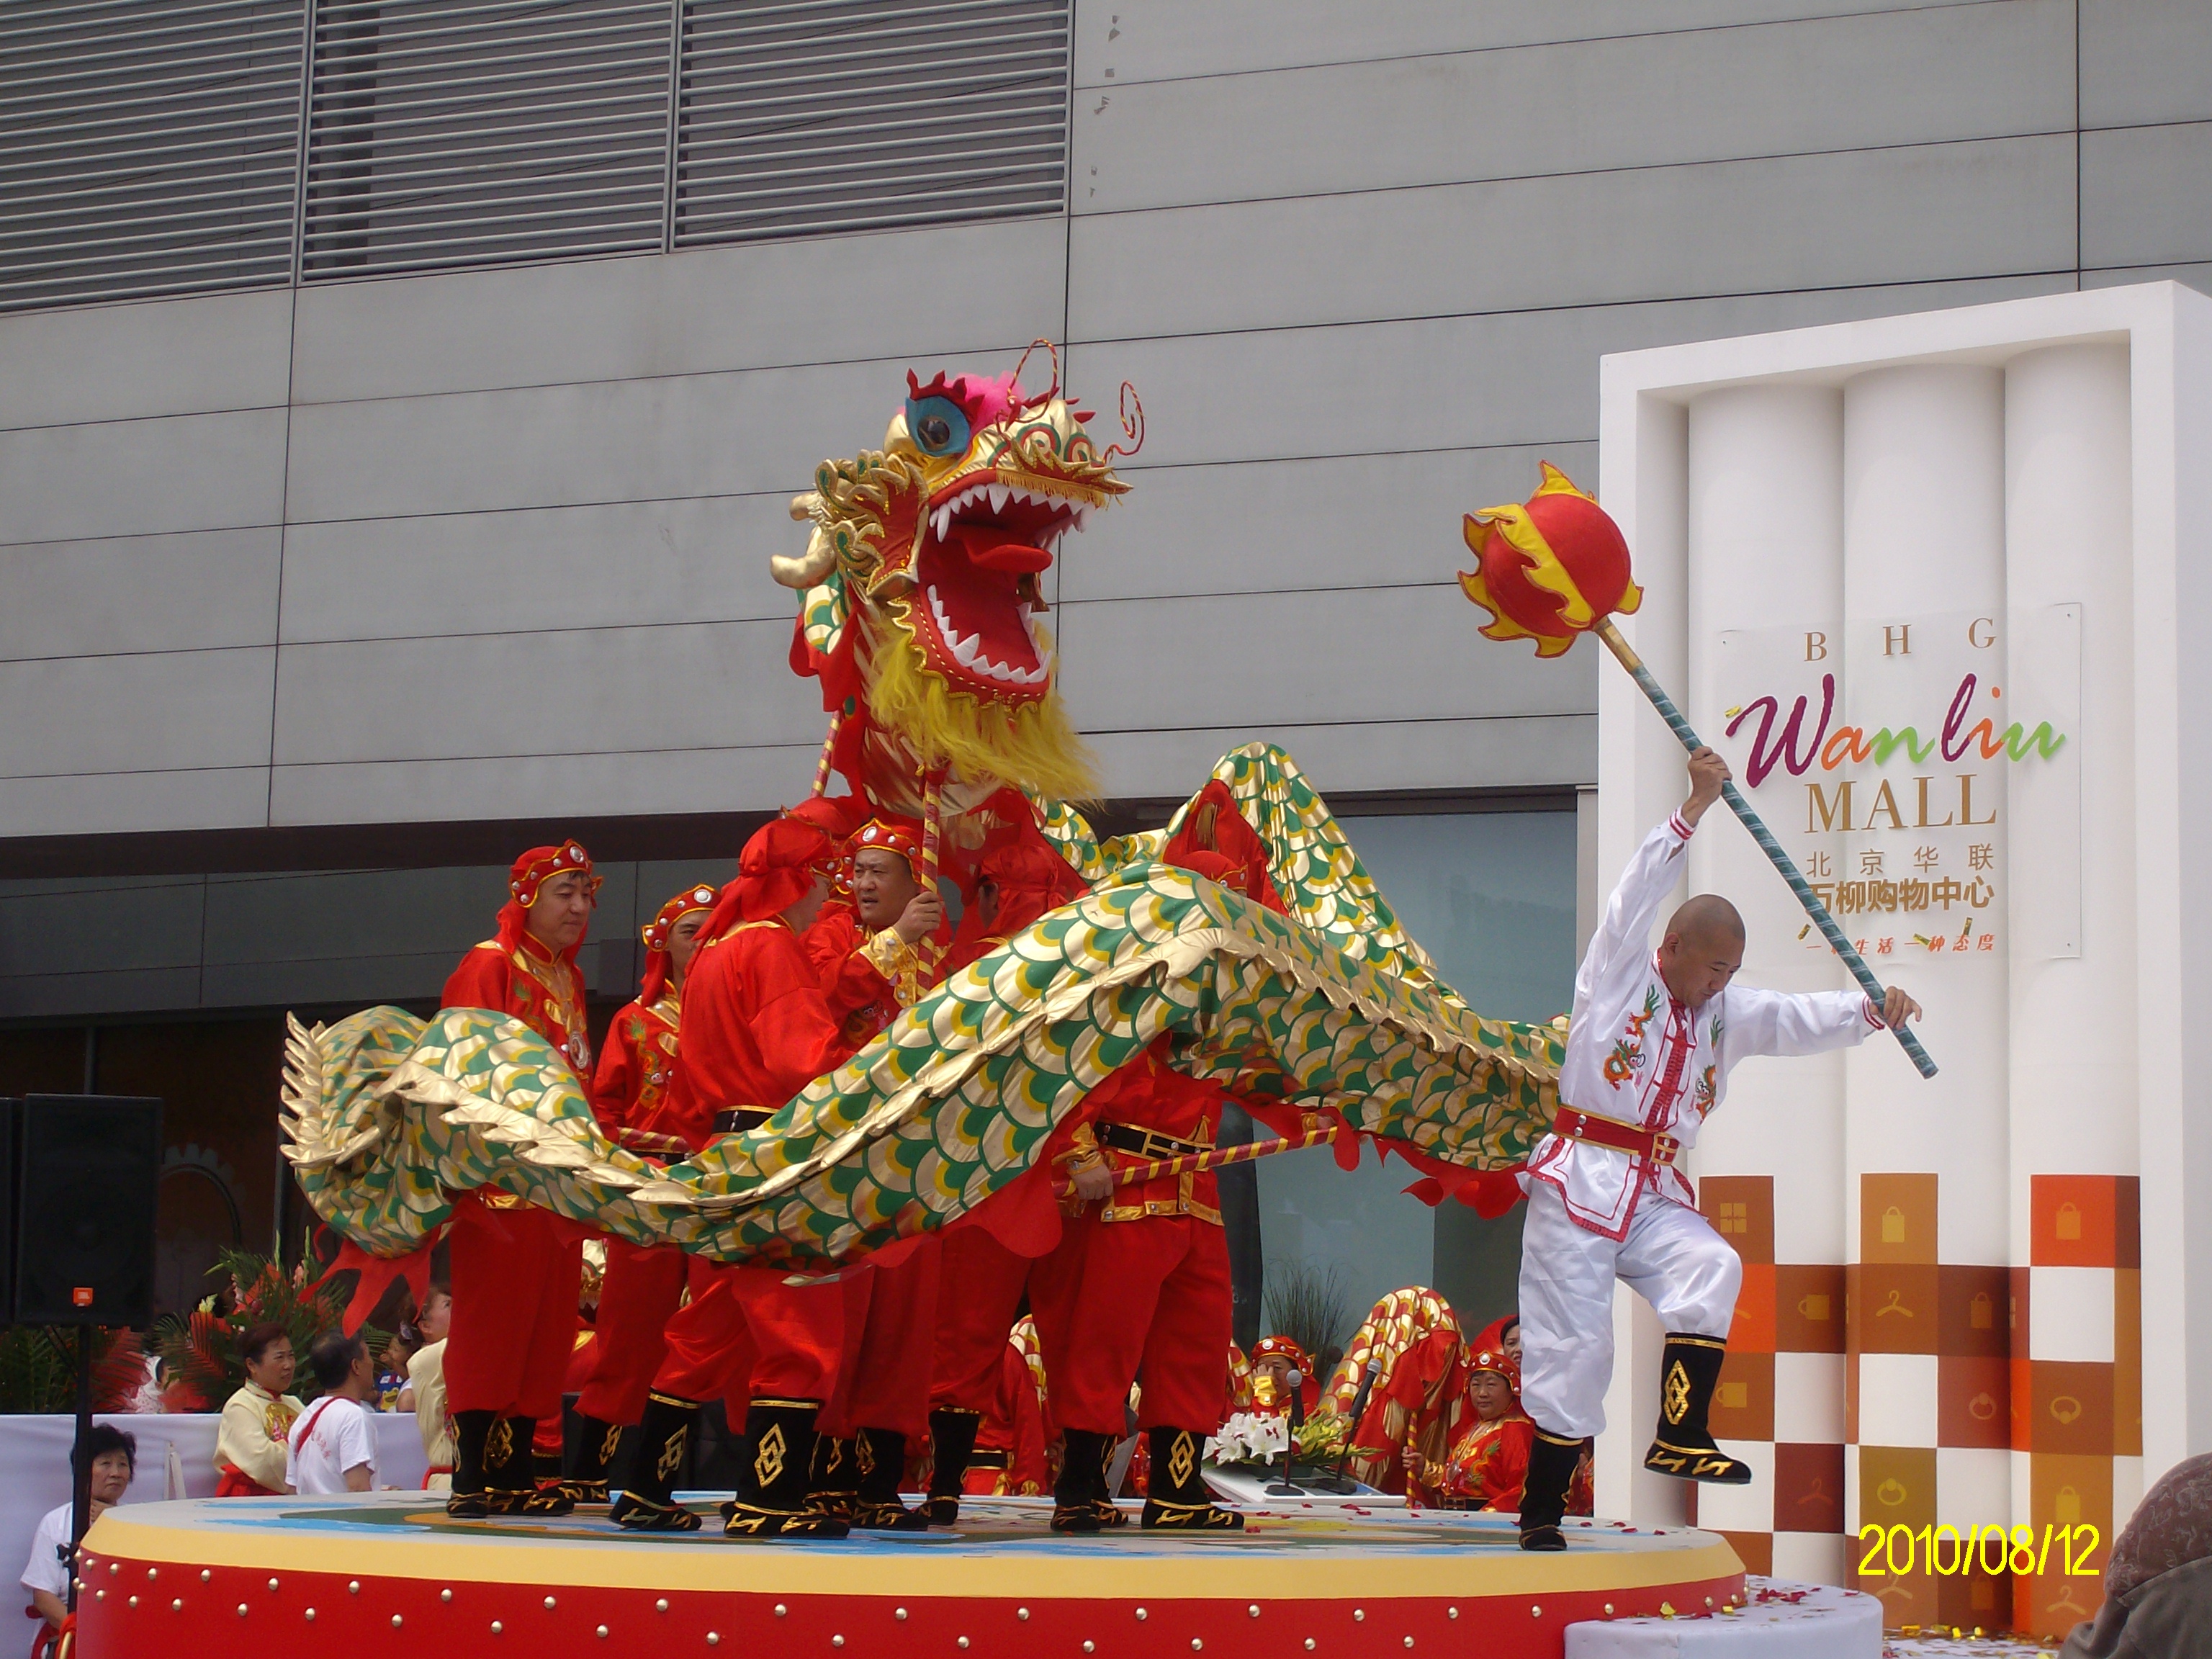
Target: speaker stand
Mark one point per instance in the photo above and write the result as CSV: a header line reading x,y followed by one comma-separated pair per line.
x,y
80,1456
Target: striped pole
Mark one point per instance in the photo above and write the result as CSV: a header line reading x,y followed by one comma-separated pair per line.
x,y
933,837
1759,833
828,752
1221,1157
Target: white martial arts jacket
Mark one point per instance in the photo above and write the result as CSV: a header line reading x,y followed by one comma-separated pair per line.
x,y
1636,1055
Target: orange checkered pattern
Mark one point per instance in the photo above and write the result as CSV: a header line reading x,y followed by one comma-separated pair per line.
x,y
1972,1394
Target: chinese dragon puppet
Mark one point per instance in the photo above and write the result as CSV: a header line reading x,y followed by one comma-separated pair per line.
x,y
921,614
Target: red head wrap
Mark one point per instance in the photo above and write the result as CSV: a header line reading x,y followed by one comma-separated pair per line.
x,y
900,836
774,873
1269,1345
1032,881
531,872
656,933
1215,841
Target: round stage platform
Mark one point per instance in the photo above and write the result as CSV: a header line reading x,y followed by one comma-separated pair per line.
x,y
216,1577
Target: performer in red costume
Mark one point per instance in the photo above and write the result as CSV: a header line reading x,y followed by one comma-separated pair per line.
x,y
1486,1464
1273,1360
756,1029
644,1284
1155,1290
515,1266
875,957
1015,885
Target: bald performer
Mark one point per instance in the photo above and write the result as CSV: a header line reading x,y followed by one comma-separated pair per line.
x,y
1653,1036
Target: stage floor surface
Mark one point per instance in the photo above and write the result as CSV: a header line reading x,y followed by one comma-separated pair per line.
x,y
180,1579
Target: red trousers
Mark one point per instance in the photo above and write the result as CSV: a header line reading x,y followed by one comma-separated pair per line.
x,y
987,1280
748,1335
1154,1300
644,1287
515,1277
886,1384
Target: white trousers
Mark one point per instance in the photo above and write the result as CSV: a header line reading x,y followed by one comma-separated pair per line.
x,y
1672,1258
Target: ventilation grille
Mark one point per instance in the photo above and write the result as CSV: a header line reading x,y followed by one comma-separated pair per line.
x,y
159,146
858,114
145,149
449,133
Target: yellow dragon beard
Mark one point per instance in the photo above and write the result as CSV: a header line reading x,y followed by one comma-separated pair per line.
x,y
1030,745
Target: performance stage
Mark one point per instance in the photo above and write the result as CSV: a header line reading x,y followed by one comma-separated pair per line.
x,y
195,1578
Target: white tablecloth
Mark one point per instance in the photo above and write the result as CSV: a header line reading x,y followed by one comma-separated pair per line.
x,y
176,1459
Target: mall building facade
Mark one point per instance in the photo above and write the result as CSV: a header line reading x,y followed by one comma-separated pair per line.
x,y
400,400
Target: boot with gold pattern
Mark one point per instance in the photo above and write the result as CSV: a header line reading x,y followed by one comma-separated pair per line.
x,y
779,1448
1689,1372
1178,1500
647,1502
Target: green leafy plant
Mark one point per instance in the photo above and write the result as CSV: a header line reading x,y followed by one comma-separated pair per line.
x,y
1309,1304
203,1346
38,1368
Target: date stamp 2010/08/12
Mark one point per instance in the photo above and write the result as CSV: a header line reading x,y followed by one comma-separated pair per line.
x,y
1897,1551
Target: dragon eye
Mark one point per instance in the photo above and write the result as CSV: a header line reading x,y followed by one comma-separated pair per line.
x,y
938,425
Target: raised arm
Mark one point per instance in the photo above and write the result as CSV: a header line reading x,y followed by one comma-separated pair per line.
x,y
1625,928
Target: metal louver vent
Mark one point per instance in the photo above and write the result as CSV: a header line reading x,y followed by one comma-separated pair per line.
x,y
451,132
820,115
145,148
151,147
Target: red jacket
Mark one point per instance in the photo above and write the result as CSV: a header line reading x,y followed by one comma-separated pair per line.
x,y
637,1064
1148,1094
755,1030
542,990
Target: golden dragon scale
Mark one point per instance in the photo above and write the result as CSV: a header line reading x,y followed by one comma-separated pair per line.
x,y
386,1115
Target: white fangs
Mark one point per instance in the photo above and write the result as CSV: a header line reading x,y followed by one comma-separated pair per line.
x,y
986,496
967,651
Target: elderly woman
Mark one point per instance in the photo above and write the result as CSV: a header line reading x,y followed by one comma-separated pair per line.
x,y
1486,1466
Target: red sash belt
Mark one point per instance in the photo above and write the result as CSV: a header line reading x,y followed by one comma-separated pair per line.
x,y
1654,1144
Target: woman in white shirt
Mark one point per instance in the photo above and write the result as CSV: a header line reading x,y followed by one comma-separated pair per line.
x,y
333,1445
114,1457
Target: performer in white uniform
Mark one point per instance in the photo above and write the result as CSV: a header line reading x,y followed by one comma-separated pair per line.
x,y
1653,1038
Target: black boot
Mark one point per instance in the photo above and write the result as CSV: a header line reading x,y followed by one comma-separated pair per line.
x,y
1177,1498
1081,1488
773,1475
534,1481
591,1458
877,1505
467,1501
833,1477
647,1502
1689,1372
953,1443
1552,1459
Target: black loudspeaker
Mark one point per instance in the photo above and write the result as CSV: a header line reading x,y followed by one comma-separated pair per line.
x,y
11,1112
86,1170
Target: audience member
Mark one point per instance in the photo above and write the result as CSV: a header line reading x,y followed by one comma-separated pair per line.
x,y
334,1443
114,1458
253,1441
425,1393
2158,1586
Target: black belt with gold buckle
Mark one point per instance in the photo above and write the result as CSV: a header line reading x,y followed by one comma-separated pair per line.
x,y
1145,1143
737,1120
988,1460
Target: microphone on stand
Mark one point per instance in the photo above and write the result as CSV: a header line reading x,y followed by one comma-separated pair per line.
x,y
1295,1382
1358,1409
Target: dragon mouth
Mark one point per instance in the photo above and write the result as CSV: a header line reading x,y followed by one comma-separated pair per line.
x,y
984,541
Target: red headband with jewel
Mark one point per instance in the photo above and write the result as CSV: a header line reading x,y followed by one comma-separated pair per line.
x,y
541,864
655,934
900,836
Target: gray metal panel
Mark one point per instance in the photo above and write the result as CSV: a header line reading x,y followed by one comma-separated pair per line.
x,y
1267,527
132,478
1480,754
2197,275
313,915
2147,195
162,711
203,589
762,305
674,687
115,803
545,786
695,434
1629,101
1445,382
1125,40
130,927
1373,654
2145,61
630,565
1839,221
118,363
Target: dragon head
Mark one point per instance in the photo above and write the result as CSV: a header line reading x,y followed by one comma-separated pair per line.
x,y
922,605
